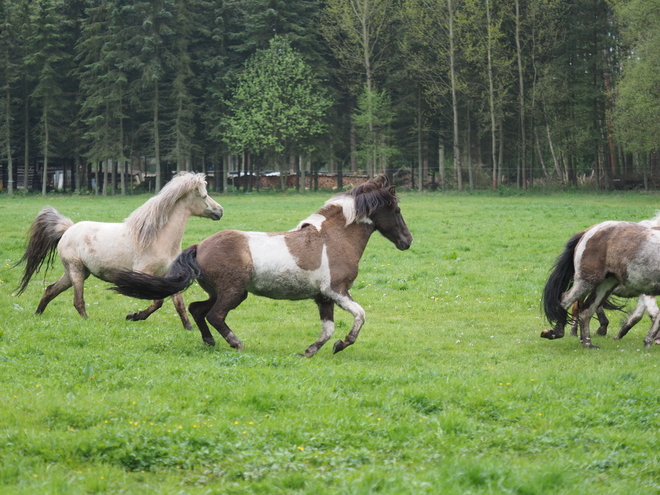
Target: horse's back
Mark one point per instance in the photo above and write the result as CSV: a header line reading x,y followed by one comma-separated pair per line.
x,y
97,245
628,251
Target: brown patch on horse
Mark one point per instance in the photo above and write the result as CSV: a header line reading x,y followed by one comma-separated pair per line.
x,y
344,253
609,250
234,263
306,246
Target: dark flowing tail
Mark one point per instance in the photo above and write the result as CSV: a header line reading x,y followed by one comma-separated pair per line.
x,y
559,282
183,272
43,237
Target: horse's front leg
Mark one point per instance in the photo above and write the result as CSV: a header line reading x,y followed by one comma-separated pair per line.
x,y
348,304
180,307
592,303
144,314
326,312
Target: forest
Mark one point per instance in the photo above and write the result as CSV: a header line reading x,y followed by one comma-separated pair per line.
x,y
103,96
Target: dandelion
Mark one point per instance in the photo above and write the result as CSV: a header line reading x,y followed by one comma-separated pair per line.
x,y
250,423
300,448
236,422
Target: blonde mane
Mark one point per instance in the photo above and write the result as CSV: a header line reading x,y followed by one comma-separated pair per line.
x,y
145,222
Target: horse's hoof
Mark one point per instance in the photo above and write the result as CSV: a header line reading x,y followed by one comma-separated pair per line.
x,y
187,326
339,346
601,331
133,317
589,345
548,334
209,341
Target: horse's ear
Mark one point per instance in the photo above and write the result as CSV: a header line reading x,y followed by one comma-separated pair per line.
x,y
393,190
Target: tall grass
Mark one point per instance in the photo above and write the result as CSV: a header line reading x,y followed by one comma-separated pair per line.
x,y
449,388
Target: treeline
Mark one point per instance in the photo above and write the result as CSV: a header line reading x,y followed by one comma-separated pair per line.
x,y
437,93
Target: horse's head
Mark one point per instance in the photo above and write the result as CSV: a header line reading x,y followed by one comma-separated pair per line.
x,y
203,205
377,200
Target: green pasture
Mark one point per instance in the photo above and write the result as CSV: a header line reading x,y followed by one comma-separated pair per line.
x,y
449,388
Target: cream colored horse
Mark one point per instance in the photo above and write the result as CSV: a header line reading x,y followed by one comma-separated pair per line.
x,y
147,241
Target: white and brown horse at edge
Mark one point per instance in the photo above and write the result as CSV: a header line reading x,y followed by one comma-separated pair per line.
x,y
317,260
147,241
620,258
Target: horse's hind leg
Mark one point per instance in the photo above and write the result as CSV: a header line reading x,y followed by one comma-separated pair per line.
x,y
180,307
217,314
588,308
348,304
603,320
326,312
199,310
54,290
634,318
575,309
145,313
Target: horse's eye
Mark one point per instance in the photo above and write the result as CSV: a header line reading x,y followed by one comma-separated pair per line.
x,y
398,210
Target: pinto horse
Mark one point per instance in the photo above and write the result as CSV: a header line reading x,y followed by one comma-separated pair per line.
x,y
148,241
612,257
317,260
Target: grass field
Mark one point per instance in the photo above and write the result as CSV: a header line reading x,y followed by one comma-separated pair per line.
x,y
449,388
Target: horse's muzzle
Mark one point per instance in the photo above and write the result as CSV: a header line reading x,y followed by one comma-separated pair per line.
x,y
403,244
215,214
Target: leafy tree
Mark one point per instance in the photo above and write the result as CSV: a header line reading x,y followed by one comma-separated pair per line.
x,y
47,57
10,75
373,119
103,84
638,98
276,105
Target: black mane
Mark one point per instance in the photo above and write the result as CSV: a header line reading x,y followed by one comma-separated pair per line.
x,y
373,195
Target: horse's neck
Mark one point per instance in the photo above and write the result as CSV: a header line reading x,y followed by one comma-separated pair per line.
x,y
359,234
171,234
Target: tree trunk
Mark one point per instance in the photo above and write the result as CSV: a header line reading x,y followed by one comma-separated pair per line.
x,y
26,134
159,179
491,97
354,164
419,139
521,100
441,162
10,165
454,98
44,179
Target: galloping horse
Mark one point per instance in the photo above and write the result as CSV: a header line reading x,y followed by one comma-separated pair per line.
x,y
611,257
148,241
317,260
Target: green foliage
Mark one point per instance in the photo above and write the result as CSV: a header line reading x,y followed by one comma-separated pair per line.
x,y
277,104
638,99
448,389
373,121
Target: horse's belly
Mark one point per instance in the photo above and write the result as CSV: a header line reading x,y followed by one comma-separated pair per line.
x,y
277,275
294,284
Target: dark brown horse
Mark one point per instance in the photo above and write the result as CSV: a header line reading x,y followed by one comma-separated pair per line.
x,y
317,260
